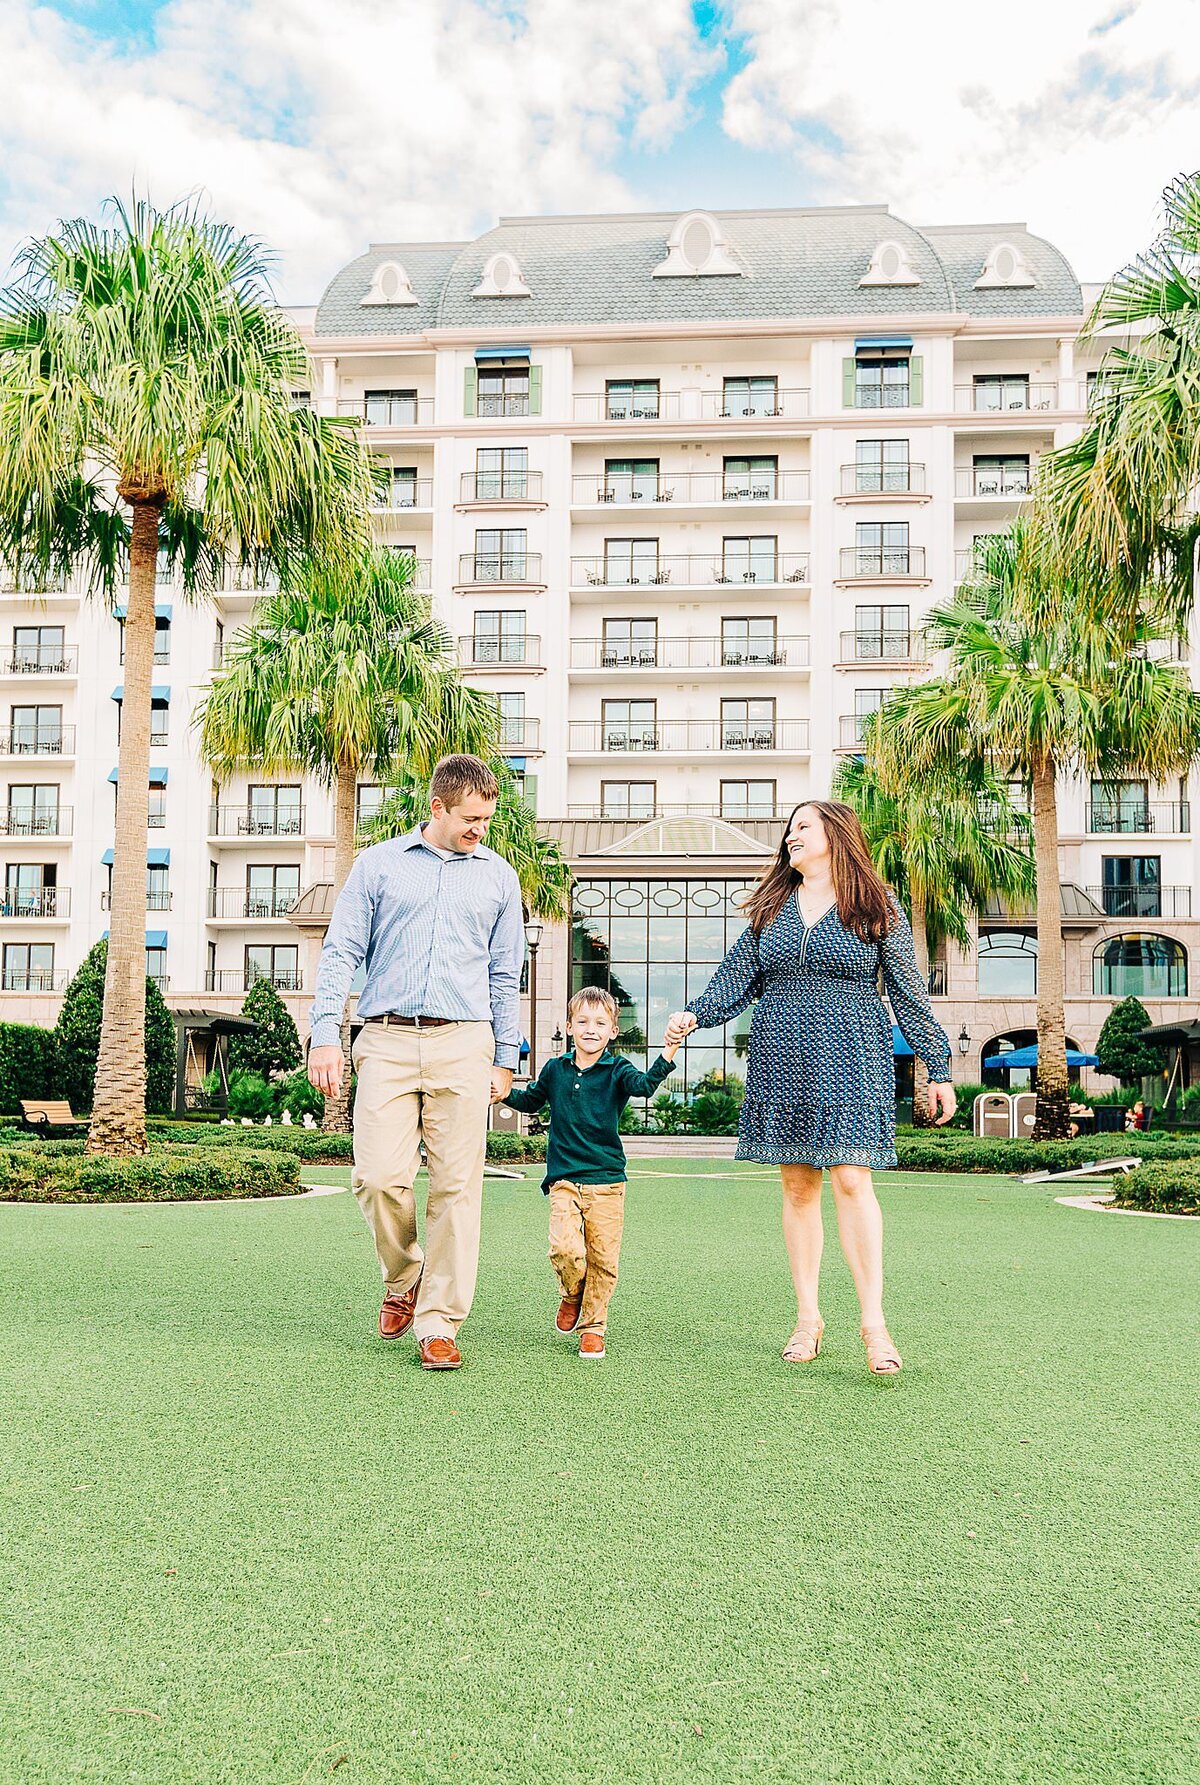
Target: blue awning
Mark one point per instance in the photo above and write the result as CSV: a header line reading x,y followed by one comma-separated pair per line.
x,y
900,1047
160,694
158,777
1028,1056
867,341
486,353
158,858
162,613
516,762
156,938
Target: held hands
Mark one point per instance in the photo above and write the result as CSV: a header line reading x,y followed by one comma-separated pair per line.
x,y
502,1079
325,1069
942,1098
680,1025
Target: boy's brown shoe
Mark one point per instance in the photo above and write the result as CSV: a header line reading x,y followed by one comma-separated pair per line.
x,y
567,1318
592,1345
439,1354
396,1314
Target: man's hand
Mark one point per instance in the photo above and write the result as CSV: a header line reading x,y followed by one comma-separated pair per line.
x,y
681,1024
325,1069
942,1098
502,1079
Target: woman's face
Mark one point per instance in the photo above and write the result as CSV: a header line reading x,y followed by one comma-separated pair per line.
x,y
808,845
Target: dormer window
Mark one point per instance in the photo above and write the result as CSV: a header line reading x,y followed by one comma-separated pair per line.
x,y
1004,267
696,248
390,284
502,279
890,265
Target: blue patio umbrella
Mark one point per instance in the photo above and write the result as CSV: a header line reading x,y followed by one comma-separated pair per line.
x,y
1028,1056
900,1047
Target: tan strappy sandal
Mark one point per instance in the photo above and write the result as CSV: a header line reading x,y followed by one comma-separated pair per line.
x,y
882,1357
805,1343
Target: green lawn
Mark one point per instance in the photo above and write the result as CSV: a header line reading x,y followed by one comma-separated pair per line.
x,y
225,1502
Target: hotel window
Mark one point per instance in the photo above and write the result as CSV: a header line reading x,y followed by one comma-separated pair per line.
x,y
158,896
272,889
1007,964
748,799
630,480
512,721
38,648
30,889
881,548
162,637
752,559
1140,967
881,632
390,408
301,399
156,967
156,813
629,643
631,399
36,730
882,380
627,799
867,702
631,561
1001,473
272,811
750,396
747,724
403,493
751,641
628,725
1001,390
500,554
881,466
501,472
507,387
29,966
280,963
367,802
499,636
1119,806
751,479
33,810
1132,885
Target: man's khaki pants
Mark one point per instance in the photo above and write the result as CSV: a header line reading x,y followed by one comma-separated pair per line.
x,y
585,1245
433,1085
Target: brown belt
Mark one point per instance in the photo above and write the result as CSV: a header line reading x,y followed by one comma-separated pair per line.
x,y
413,1022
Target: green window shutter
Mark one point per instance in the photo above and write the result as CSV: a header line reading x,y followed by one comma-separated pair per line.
x,y
848,383
916,381
470,386
535,390
531,792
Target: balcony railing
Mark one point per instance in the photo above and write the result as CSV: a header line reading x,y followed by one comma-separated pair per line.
x,y
1007,397
1139,817
236,901
45,660
883,646
661,405
32,821
500,567
975,481
500,486
937,980
685,735
35,979
733,405
519,734
235,979
874,563
155,901
388,412
37,740
243,821
523,650
736,812
690,570
38,901
883,396
502,402
404,493
692,487
26,584
1142,901
850,730
884,480
689,653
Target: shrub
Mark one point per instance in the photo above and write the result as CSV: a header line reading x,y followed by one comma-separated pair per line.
x,y
28,1064
299,1096
716,1112
77,1037
251,1095
516,1149
273,1045
667,1115
1120,1051
942,1150
720,1083
1169,1189
305,1143
43,1172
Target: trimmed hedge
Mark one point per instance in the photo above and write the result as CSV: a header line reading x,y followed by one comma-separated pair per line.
x,y
516,1149
943,1150
28,1064
302,1143
48,1171
1163,1189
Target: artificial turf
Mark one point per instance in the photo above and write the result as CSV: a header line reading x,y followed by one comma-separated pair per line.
x,y
244,1542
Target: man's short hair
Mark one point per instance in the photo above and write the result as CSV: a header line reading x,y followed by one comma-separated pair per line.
x,y
454,777
595,995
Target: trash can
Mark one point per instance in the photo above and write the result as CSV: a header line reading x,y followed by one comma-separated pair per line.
x,y
993,1114
1110,1118
1024,1113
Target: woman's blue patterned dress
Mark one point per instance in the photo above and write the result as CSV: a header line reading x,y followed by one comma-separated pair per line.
x,y
820,1081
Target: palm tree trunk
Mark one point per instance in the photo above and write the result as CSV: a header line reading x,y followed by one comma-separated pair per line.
x,y
1053,1094
336,1119
920,931
118,1123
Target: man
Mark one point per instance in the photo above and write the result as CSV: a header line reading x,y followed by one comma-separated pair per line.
x,y
437,918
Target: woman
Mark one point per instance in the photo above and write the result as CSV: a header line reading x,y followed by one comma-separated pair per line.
x,y
820,1086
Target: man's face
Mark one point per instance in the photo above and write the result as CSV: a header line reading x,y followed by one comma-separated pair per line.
x,y
464,826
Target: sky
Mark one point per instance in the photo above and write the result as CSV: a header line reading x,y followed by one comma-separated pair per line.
x,y
323,125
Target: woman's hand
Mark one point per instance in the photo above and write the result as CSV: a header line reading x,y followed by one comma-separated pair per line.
x,y
681,1024
942,1098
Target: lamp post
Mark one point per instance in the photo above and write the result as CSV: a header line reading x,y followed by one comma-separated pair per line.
x,y
533,936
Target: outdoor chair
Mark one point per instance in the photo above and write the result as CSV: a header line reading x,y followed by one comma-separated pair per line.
x,y
40,1114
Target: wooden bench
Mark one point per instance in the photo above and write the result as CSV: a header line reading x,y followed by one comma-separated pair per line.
x,y
40,1114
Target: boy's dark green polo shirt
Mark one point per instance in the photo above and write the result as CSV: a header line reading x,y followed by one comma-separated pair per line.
x,y
585,1107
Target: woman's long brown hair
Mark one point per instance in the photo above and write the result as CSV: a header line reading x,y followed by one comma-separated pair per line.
x,y
865,904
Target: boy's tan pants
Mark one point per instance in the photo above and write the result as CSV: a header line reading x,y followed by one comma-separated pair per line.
x,y
585,1245
432,1085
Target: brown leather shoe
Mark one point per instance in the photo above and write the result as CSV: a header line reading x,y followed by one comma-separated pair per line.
x,y
592,1345
439,1354
567,1318
396,1314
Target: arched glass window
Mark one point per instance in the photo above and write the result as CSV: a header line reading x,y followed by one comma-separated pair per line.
x,y
1007,964
1138,966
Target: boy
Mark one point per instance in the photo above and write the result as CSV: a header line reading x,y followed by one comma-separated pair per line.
x,y
587,1088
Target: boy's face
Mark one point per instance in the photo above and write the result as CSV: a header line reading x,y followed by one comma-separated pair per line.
x,y
592,1028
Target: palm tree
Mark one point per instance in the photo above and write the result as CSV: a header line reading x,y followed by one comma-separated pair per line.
x,y
343,678
145,407
948,845
1040,684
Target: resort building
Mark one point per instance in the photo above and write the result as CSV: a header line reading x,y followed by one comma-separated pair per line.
x,y
682,488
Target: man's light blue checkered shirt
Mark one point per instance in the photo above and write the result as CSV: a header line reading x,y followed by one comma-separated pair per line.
x,y
439,938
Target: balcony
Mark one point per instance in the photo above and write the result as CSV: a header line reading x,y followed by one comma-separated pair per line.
x,y
14,583
883,646
970,481
256,822
689,489
732,812
236,979
881,564
687,736
500,487
404,494
46,660
237,903
37,740
520,734
1142,901
155,901
685,653
37,901
600,405
521,652
1014,396
491,404
34,980
938,980
31,821
733,405
475,568
1139,817
885,480
850,730
388,412
883,396
690,570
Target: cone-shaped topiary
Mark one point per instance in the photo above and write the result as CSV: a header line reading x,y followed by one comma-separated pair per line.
x,y
1120,1051
273,1045
77,1037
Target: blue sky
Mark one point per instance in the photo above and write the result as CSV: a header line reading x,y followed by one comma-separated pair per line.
x,y
322,127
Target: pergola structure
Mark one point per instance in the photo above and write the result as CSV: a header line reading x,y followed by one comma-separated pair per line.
x,y
202,1047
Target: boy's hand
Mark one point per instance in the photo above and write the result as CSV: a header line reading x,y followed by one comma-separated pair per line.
x,y
670,1048
681,1024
